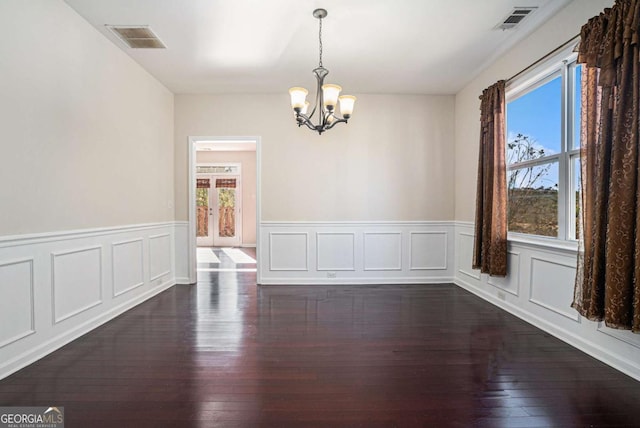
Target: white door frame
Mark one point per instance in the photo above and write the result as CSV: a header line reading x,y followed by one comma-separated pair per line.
x,y
192,200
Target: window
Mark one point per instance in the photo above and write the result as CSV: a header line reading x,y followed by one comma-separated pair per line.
x,y
543,150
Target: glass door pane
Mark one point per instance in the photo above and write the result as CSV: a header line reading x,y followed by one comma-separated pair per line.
x,y
227,212
202,212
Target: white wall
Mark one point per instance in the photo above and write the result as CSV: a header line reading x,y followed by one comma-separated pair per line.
x,y
539,287
247,160
86,133
392,162
86,181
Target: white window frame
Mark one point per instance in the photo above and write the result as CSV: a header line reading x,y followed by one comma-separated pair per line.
x,y
562,64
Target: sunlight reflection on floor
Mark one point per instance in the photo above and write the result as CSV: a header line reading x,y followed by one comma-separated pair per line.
x,y
238,256
206,255
226,260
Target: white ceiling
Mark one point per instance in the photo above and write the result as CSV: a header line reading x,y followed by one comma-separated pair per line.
x,y
370,46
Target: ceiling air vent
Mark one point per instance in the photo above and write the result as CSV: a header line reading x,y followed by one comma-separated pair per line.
x,y
515,17
137,37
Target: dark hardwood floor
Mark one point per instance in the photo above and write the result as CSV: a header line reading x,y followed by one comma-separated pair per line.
x,y
225,353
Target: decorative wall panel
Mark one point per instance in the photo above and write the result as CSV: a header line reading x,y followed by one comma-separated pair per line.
x,y
159,256
16,300
288,251
335,251
76,281
382,251
128,265
429,250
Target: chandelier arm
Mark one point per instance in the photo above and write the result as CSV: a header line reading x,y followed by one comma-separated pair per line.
x,y
319,99
336,121
305,120
312,112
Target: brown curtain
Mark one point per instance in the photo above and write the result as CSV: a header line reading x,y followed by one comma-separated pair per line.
x,y
490,245
608,275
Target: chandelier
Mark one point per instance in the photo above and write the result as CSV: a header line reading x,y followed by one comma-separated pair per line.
x,y
326,96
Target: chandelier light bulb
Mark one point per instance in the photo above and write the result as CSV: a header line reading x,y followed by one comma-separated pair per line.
x,y
330,119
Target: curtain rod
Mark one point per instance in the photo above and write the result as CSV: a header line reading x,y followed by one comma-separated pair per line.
x,y
559,48
539,60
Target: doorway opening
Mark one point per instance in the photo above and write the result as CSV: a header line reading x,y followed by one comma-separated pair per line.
x,y
224,202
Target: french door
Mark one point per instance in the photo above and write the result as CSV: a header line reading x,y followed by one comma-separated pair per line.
x,y
219,211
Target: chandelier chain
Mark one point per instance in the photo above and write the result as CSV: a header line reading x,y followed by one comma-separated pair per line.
x,y
320,39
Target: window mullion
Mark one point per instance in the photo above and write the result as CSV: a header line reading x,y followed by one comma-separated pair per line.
x,y
535,162
563,175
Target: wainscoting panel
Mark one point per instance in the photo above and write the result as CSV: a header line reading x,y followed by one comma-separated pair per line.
x,y
128,265
551,286
335,251
76,278
183,253
539,289
511,282
16,300
464,256
288,251
56,286
626,336
429,250
356,252
159,256
382,251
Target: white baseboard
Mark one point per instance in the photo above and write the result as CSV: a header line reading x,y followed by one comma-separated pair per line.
x,y
55,287
618,362
356,281
539,290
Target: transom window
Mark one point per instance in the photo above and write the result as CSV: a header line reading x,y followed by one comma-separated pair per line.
x,y
216,169
543,149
